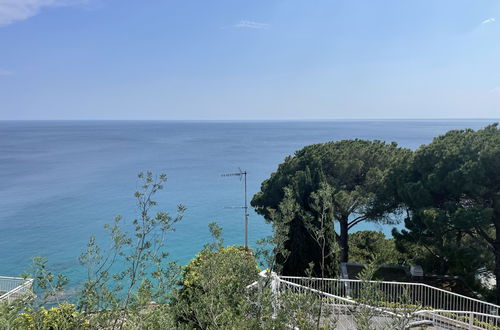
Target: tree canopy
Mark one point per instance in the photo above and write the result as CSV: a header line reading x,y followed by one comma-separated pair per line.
x,y
355,172
366,246
451,188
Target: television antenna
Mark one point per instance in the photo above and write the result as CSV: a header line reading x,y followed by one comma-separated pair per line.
x,y
243,176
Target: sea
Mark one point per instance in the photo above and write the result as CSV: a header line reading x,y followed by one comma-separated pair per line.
x,y
62,181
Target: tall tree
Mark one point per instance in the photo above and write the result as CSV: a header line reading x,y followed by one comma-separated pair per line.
x,y
452,191
355,171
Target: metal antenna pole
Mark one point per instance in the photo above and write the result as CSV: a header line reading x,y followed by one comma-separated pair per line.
x,y
246,212
243,175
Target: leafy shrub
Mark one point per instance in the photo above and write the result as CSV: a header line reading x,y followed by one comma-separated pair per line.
x,y
63,316
212,289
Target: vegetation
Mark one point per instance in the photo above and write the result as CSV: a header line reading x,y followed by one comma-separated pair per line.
x,y
146,275
451,189
448,192
211,292
354,171
126,285
366,245
64,316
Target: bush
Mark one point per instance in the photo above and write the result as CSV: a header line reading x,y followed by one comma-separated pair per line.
x,y
63,316
212,289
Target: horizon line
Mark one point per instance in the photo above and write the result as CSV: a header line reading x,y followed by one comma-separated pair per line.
x,y
262,120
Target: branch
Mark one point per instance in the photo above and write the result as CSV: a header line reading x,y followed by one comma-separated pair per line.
x,y
478,239
354,205
431,252
357,220
485,235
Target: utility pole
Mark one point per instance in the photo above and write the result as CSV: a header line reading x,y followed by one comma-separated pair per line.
x,y
243,175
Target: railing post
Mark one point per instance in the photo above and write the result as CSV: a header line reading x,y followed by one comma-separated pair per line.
x,y
471,321
275,287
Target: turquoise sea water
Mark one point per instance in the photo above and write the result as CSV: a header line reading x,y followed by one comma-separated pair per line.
x,y
61,181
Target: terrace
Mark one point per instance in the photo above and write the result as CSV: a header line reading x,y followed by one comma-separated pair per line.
x,y
385,303
12,288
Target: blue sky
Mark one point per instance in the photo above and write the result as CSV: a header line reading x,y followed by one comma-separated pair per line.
x,y
186,59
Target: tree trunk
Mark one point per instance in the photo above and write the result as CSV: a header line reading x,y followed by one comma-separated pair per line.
x,y
344,239
496,246
458,240
497,271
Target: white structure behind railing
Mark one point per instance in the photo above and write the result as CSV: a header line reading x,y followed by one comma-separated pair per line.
x,y
12,288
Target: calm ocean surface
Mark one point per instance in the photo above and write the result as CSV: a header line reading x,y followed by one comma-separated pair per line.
x,y
60,182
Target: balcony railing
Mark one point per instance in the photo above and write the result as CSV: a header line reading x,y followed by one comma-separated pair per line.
x,y
390,302
12,288
421,294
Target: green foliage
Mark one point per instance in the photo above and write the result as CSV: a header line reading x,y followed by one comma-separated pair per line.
x,y
9,313
121,295
366,245
372,302
61,317
272,250
303,311
319,228
404,309
369,296
29,312
353,169
157,316
270,307
47,285
451,189
212,291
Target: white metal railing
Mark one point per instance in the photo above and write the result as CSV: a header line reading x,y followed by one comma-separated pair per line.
x,y
341,311
420,294
12,288
459,319
395,303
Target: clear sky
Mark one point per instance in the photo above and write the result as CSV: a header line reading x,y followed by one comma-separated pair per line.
x,y
258,59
